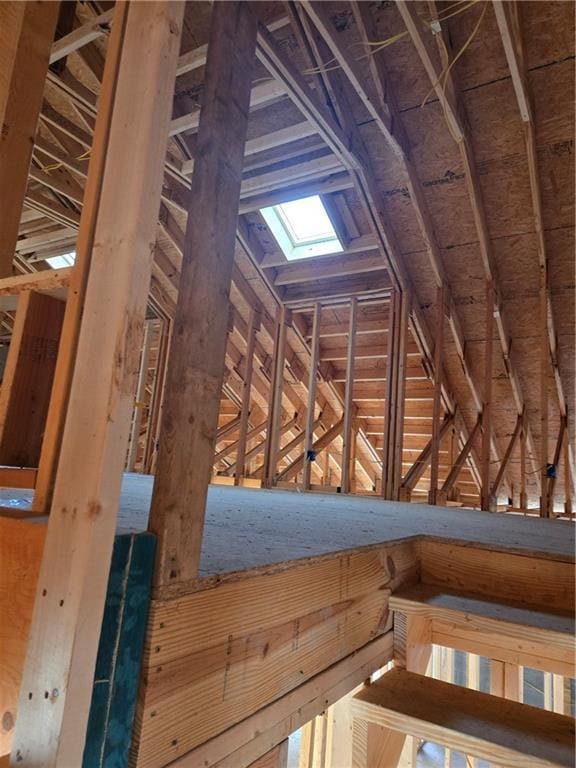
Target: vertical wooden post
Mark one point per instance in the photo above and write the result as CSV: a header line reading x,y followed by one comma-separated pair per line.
x,y
26,35
121,212
312,379
395,389
523,446
412,651
275,400
487,400
438,347
197,356
348,398
390,401
544,367
400,395
567,478
326,469
253,326
139,403
157,399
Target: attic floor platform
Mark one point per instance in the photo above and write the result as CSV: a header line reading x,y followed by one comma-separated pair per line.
x,y
250,528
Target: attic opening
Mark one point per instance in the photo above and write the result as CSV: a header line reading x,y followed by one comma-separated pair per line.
x,y
302,228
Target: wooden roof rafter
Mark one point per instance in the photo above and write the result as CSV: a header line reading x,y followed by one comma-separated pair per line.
x,y
453,111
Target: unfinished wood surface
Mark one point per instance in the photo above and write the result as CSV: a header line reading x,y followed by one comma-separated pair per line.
x,y
196,362
311,405
26,36
253,326
21,546
347,435
240,744
50,729
472,722
412,650
28,376
498,576
530,631
216,656
277,757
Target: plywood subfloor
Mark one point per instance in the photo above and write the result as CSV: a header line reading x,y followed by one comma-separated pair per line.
x,y
250,528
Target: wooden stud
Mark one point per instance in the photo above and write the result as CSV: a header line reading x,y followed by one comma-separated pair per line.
x,y
253,326
196,364
132,130
310,413
487,397
348,399
459,462
436,425
505,461
139,404
567,479
523,448
551,481
26,35
284,320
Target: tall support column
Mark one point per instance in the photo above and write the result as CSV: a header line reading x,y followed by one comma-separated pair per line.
x,y
313,377
438,347
273,428
196,364
487,400
348,399
26,35
253,326
118,225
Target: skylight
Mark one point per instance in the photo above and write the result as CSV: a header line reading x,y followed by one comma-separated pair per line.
x,y
302,228
60,262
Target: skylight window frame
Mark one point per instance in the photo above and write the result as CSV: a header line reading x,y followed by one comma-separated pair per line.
x,y
295,248
69,260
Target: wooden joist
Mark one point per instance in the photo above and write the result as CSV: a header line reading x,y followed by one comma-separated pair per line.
x,y
472,722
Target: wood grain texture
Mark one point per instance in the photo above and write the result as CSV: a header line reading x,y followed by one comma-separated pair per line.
x,y
240,744
498,575
21,545
26,36
216,656
197,355
508,618
119,225
475,723
27,383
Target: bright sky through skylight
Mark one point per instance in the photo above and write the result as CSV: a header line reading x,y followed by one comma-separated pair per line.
x,y
60,262
306,220
302,228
